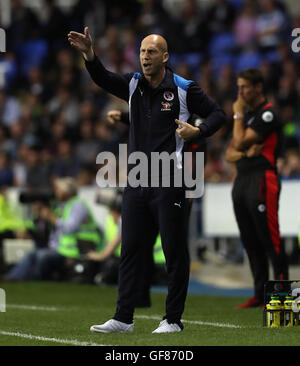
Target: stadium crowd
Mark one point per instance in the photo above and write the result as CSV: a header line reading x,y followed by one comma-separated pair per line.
x,y
53,118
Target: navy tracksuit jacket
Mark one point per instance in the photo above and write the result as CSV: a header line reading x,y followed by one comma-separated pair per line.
x,y
145,211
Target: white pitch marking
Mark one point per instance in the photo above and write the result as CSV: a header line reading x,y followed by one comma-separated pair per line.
x,y
195,322
154,317
74,342
33,307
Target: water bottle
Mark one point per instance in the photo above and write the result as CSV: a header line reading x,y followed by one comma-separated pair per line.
x,y
288,312
274,309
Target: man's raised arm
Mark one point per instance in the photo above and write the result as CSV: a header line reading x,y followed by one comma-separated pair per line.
x,y
113,83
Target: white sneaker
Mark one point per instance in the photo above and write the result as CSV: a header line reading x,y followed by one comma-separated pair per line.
x,y
112,326
165,327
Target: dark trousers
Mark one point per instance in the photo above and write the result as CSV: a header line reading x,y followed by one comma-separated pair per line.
x,y
255,199
40,264
145,211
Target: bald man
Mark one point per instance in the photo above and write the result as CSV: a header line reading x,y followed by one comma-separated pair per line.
x,y
160,106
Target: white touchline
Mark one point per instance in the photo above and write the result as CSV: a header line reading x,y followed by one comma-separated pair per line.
x,y
196,322
74,342
150,317
34,307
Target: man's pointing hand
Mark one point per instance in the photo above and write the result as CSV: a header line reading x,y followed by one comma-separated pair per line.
x,y
186,131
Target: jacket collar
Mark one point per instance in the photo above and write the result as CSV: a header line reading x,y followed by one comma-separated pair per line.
x,y
167,82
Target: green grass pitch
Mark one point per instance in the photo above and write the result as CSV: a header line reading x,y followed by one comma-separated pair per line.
x,y
60,314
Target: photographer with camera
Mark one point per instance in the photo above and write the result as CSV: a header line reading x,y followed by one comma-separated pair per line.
x,y
74,233
12,225
109,258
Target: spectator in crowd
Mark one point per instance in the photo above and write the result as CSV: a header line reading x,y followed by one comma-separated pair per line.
x,y
191,21
221,16
88,110
86,175
78,13
54,26
109,40
270,22
109,257
87,147
35,83
205,78
183,70
224,83
66,103
105,137
32,118
244,28
286,94
38,172
74,233
289,167
20,166
24,25
214,169
298,100
11,224
129,45
8,70
9,109
6,144
6,171
65,65
17,138
151,17
66,164
58,132
269,72
291,128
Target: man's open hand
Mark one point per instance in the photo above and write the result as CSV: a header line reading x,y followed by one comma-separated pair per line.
x,y
83,42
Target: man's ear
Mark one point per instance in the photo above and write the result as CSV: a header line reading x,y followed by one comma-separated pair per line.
x,y
166,57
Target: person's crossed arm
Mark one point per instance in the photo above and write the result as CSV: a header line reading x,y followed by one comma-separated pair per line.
x,y
232,154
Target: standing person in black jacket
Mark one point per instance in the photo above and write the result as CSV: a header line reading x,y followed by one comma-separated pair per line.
x,y
160,104
256,142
